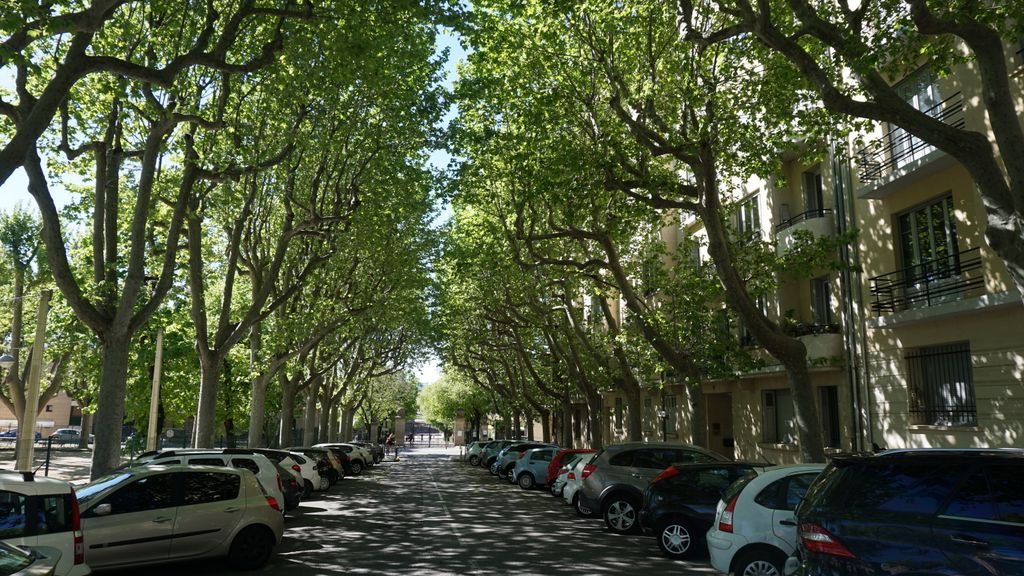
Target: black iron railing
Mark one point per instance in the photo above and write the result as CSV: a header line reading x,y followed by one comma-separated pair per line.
x,y
799,329
816,213
898,147
941,386
928,283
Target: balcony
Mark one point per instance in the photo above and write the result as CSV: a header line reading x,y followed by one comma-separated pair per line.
x,y
930,283
899,158
823,341
819,222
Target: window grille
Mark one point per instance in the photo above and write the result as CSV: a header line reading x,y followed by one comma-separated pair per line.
x,y
941,386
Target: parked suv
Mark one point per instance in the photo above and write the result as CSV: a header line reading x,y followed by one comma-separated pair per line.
x,y
614,481
754,532
506,460
38,511
679,504
924,511
155,514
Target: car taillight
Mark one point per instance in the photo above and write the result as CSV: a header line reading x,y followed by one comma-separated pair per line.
x,y
725,522
273,503
571,476
76,529
666,474
297,468
817,539
588,470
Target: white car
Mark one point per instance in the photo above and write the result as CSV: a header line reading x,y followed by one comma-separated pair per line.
x,y
558,484
754,529
258,464
574,480
359,457
57,523
301,467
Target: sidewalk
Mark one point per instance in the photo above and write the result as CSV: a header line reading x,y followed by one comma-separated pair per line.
x,y
72,464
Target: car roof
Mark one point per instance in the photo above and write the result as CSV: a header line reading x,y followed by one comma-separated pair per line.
x,y
26,482
946,455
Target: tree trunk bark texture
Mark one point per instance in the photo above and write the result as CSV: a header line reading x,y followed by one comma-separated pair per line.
x,y
106,455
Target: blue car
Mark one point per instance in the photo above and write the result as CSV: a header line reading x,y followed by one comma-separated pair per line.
x,y
13,433
531,469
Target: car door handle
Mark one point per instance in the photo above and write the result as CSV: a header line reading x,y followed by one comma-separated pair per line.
x,y
961,539
788,522
162,519
232,509
635,475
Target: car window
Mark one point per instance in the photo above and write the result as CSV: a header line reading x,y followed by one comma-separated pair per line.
x,y
623,458
13,514
650,458
682,455
147,493
206,461
543,455
169,462
246,463
908,487
206,487
1005,483
94,488
972,500
12,559
54,513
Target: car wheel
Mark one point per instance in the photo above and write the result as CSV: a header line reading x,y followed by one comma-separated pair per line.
x,y
474,460
526,481
357,467
251,548
555,490
620,514
493,468
676,540
760,562
503,473
307,489
581,508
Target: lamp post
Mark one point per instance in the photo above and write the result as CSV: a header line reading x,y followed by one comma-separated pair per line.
x,y
664,419
26,431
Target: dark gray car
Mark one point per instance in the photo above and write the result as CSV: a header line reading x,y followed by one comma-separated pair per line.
x,y
614,481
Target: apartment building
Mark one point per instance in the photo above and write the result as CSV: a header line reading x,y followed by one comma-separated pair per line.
x,y
60,412
919,345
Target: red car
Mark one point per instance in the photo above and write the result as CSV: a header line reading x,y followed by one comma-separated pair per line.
x,y
556,462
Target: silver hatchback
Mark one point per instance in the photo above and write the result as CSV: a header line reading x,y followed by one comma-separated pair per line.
x,y
156,514
614,481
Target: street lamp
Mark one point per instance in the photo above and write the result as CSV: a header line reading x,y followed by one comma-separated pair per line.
x,y
664,419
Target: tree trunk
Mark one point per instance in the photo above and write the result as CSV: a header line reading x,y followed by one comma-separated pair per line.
x,y
567,439
333,424
206,414
595,428
106,455
83,440
545,425
287,411
257,410
309,428
516,427
325,421
634,413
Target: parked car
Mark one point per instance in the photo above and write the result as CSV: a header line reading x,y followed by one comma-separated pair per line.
x,y
28,561
614,481
68,436
13,434
155,514
557,462
923,511
266,471
531,468
358,457
40,511
753,531
558,484
679,504
490,454
328,464
290,487
502,466
303,469
375,450
474,451
573,481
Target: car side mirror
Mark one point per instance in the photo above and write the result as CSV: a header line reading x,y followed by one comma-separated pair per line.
x,y
102,510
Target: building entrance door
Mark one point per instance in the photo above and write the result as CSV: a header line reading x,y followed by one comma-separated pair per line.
x,y
719,419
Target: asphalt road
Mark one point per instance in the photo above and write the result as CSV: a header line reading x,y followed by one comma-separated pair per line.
x,y
426,515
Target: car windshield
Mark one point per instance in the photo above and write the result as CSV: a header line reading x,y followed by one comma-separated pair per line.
x,y
90,490
12,559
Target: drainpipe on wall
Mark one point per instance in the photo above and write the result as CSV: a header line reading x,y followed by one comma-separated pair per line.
x,y
848,285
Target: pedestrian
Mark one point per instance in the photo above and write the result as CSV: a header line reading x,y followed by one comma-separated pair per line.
x,y
390,445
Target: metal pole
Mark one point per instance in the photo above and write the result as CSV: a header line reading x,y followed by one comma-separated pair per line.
x,y
27,431
49,444
154,397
